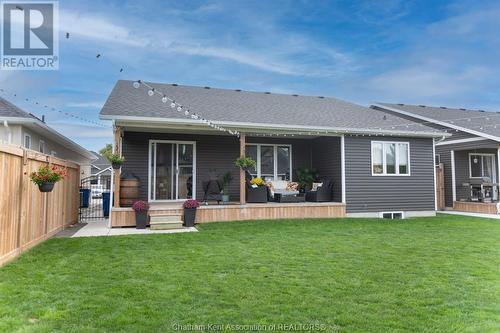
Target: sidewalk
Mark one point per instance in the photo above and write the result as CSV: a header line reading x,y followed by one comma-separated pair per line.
x,y
99,227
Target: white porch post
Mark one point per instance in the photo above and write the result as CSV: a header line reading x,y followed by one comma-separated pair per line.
x,y
342,167
453,184
434,169
497,178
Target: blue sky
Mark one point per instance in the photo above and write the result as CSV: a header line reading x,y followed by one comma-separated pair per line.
x,y
422,52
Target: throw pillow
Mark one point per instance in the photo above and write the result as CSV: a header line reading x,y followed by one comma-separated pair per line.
x,y
316,185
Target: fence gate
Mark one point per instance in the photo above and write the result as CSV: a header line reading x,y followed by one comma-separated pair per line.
x,y
440,186
94,197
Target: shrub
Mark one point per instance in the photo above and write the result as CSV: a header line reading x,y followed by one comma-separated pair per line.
x,y
245,163
140,206
191,204
48,174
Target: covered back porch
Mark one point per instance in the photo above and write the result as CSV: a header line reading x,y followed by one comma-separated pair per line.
x,y
473,177
174,165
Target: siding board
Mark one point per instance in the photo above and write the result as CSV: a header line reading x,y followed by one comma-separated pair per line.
x,y
367,193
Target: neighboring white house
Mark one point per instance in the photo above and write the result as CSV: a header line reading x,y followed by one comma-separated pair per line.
x,y
21,128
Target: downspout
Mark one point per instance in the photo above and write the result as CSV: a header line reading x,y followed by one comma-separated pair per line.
x,y
112,189
7,131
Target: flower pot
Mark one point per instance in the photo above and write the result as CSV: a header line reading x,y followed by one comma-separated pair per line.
x,y
46,187
141,219
116,166
189,217
225,198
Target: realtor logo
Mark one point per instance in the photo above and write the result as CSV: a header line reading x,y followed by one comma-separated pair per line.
x,y
29,35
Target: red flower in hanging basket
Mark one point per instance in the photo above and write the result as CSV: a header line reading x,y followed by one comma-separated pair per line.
x,y
46,174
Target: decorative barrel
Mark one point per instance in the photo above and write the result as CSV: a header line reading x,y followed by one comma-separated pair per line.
x,y
129,190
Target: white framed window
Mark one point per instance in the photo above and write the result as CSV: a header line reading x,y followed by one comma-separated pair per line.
x,y
482,165
41,146
274,161
390,158
392,215
27,141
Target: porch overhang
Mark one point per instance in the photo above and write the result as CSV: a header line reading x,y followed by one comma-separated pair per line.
x,y
172,124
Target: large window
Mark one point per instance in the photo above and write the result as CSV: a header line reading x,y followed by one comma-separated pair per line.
x,y
274,162
390,158
482,165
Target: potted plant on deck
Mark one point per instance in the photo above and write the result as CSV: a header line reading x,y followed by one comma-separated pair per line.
x,y
47,176
116,160
226,180
190,212
245,163
305,178
141,214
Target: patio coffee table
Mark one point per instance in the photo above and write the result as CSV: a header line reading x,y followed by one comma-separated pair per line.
x,y
283,198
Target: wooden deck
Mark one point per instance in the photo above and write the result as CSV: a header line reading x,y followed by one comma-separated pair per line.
x,y
124,217
476,207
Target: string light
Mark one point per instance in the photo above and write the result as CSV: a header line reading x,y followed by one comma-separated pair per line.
x,y
180,108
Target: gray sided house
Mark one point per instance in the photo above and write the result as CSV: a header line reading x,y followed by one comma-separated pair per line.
x,y
470,156
21,128
376,163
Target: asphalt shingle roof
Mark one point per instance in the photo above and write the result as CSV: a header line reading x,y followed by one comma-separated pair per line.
x,y
7,109
478,120
248,107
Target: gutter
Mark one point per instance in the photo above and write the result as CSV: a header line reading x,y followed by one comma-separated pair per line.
x,y
242,126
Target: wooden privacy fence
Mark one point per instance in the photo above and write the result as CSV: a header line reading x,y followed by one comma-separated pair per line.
x,y
28,216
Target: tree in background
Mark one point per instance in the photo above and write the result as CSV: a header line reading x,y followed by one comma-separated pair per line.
x,y
107,151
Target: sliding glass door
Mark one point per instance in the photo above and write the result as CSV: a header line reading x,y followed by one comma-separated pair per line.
x,y
171,170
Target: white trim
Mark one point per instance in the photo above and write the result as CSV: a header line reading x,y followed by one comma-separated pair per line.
x,y
452,142
266,127
396,157
493,166
495,189
434,173
453,181
443,123
381,214
152,173
103,170
275,157
342,167
25,136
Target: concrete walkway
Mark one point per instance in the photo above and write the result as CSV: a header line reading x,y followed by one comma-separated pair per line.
x,y
486,216
99,227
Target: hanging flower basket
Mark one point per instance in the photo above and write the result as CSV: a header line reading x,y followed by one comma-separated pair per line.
x,y
46,187
116,161
47,176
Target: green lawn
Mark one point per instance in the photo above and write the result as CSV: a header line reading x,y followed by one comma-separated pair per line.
x,y
350,275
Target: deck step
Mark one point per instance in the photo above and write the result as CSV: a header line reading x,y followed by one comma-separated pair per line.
x,y
165,217
165,225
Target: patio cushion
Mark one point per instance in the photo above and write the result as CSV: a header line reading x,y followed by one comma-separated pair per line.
x,y
282,187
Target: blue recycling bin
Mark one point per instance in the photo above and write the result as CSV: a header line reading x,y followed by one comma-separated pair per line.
x,y
106,196
84,197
